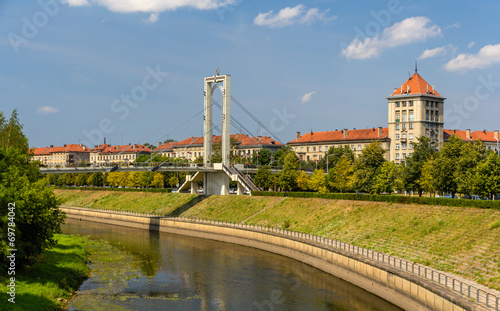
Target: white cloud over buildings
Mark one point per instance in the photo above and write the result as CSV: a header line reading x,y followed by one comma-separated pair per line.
x,y
487,56
292,15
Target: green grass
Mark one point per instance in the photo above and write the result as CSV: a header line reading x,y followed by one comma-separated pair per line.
x,y
52,279
143,202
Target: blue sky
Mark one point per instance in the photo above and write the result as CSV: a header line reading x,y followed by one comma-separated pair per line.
x,y
69,66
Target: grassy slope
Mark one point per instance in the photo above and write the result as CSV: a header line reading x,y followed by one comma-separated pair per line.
x,y
459,240
57,274
161,203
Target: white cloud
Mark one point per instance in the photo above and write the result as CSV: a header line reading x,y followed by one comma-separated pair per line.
x,y
471,44
456,25
151,6
46,110
153,18
410,30
436,52
289,16
487,56
307,97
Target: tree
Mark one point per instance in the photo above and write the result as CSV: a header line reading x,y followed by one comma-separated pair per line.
x,y
82,179
366,166
334,155
385,179
145,179
25,199
340,177
264,178
446,165
11,133
158,180
287,177
427,180
317,181
412,172
96,179
134,179
486,179
471,156
302,180
173,181
262,157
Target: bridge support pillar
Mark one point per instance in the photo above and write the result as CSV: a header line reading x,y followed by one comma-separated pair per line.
x,y
216,183
194,187
240,189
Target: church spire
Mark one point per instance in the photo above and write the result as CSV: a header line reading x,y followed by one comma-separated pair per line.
x,y
416,67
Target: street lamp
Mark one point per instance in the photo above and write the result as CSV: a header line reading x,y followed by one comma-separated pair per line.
x,y
328,155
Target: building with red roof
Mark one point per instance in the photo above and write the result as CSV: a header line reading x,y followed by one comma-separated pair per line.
x,y
106,154
65,156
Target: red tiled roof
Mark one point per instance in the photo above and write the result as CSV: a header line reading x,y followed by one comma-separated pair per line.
x,y
126,149
67,148
331,136
484,136
244,140
417,86
166,146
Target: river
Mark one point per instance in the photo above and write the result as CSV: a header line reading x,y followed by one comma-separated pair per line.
x,y
173,272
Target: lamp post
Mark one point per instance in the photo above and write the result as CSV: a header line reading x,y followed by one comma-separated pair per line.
x,y
327,156
498,151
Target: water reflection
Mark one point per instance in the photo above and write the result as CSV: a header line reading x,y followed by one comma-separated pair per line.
x,y
183,273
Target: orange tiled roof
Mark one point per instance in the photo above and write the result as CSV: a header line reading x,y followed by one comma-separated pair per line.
x,y
416,86
484,136
244,140
67,148
126,149
166,146
331,136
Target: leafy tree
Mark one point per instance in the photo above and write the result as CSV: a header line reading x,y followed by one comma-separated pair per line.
x,y
82,179
25,194
287,177
68,178
427,180
262,157
317,181
471,156
173,181
422,151
146,178
264,178
217,150
96,179
158,180
113,179
11,133
385,179
280,154
340,177
302,180
366,166
446,165
487,176
134,179
334,155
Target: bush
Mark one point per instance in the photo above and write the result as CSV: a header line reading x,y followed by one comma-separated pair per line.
x,y
157,190
385,198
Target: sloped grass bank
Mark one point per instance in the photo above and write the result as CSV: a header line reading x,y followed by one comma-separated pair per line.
x,y
460,240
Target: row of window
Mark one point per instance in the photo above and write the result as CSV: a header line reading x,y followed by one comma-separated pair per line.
x,y
406,117
434,115
403,103
431,104
403,126
403,136
404,145
403,156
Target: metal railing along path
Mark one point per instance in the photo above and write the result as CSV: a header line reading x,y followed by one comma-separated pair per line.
x,y
464,288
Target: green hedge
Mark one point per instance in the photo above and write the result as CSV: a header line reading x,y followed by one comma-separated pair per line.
x,y
160,190
385,198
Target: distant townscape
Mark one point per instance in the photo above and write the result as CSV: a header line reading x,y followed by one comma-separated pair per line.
x,y
415,109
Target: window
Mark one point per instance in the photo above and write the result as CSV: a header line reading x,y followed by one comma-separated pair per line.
x,y
397,146
410,126
411,103
404,104
403,135
397,104
307,148
397,136
426,103
410,146
404,126
314,148
404,156
307,158
397,127
411,115
397,156
410,135
403,146
397,116
320,148
353,147
426,125
320,157
404,117
427,115
432,104
436,105
359,147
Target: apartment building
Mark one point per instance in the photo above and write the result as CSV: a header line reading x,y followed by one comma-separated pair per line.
x,y
105,154
192,148
67,155
490,139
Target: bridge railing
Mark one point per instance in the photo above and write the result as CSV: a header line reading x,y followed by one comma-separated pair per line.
x,y
468,289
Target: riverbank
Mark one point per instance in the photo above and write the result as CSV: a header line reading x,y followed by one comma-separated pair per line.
x,y
51,281
463,241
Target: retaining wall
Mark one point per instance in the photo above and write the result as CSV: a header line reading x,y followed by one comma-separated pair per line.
x,y
401,288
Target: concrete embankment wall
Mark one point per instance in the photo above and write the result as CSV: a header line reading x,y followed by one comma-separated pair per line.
x,y
401,288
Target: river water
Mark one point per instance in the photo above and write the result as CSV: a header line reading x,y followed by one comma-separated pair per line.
x,y
173,272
